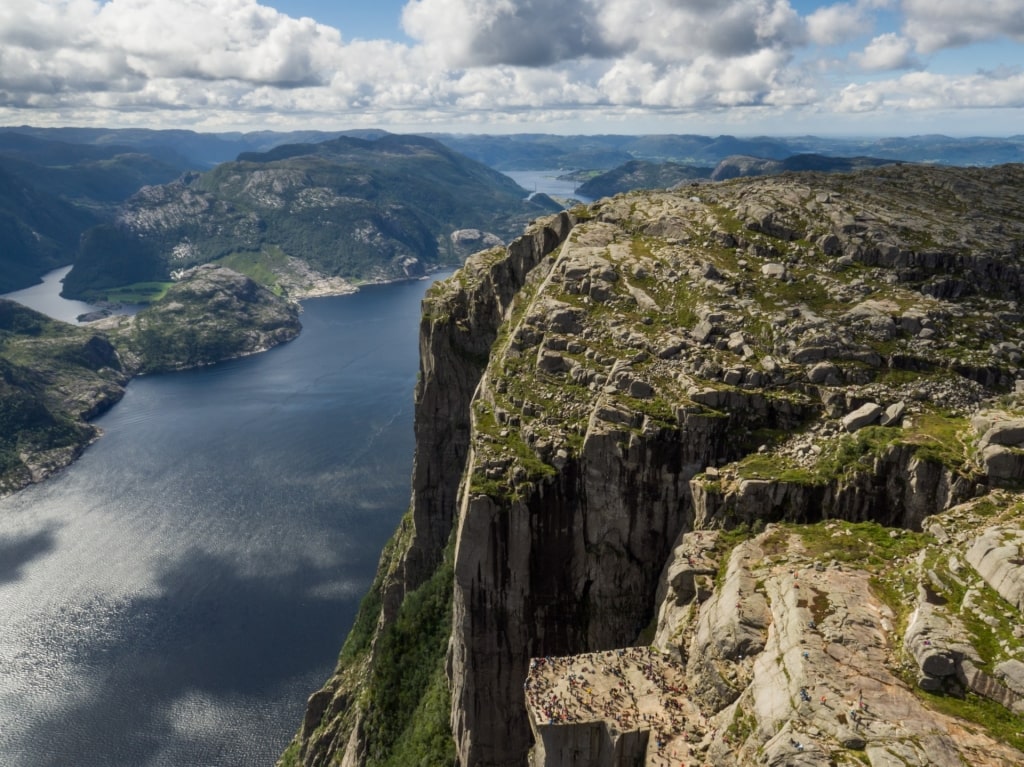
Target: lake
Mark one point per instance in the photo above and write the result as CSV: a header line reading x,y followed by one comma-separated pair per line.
x,y
174,596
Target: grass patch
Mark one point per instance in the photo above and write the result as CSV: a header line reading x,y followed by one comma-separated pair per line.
x,y
939,438
868,544
775,467
138,293
1000,723
262,266
407,680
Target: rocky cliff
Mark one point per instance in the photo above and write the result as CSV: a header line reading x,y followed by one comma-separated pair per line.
x,y
726,475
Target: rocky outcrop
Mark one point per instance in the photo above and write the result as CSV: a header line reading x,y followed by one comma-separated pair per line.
x,y
715,422
210,314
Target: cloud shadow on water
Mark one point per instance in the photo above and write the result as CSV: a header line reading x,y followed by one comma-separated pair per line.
x,y
17,553
211,632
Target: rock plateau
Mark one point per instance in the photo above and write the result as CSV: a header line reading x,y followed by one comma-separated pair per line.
x,y
728,475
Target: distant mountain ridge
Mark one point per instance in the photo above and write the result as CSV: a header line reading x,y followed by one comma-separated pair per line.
x,y
545,151
351,208
93,170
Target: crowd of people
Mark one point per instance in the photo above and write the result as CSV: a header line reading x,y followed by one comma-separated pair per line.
x,y
630,689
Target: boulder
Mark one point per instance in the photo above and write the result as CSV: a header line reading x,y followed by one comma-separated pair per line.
x,y
1008,433
1003,463
893,414
825,373
551,362
863,416
1011,673
996,555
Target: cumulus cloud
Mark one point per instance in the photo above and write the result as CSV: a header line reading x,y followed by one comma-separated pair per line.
x,y
545,32
84,45
919,91
938,24
887,52
487,32
528,60
837,23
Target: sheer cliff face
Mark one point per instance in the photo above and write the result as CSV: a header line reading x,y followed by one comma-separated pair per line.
x,y
777,351
672,333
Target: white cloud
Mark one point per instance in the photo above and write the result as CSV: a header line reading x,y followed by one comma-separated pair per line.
x,y
938,24
837,24
919,91
217,62
79,45
674,31
218,39
545,32
887,52
490,32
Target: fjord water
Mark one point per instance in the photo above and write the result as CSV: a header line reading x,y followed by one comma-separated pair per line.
x,y
174,596
45,297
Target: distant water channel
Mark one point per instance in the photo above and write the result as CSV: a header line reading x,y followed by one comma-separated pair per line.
x,y
172,598
45,298
546,182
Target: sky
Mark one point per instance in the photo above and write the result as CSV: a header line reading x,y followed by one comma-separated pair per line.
x,y
743,67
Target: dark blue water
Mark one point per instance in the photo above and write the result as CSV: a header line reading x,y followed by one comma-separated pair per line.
x,y
174,596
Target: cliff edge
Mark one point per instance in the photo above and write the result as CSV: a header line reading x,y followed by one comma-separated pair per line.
x,y
724,475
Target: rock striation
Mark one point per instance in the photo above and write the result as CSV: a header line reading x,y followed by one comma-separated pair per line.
x,y
707,477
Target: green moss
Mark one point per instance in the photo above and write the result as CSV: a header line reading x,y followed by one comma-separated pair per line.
x,y
406,718
290,757
743,725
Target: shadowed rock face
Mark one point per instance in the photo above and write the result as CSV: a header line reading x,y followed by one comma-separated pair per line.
x,y
721,358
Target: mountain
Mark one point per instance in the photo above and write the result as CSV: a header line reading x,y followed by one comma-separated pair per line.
x,y
190,149
643,174
350,208
736,166
210,314
53,378
732,475
38,231
640,174
604,152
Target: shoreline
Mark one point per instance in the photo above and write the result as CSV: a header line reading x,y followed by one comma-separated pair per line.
x,y
47,464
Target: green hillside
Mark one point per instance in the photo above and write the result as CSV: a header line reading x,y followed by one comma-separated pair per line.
x,y
38,231
352,208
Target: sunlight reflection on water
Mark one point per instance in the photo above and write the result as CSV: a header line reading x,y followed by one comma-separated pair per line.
x,y
174,596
